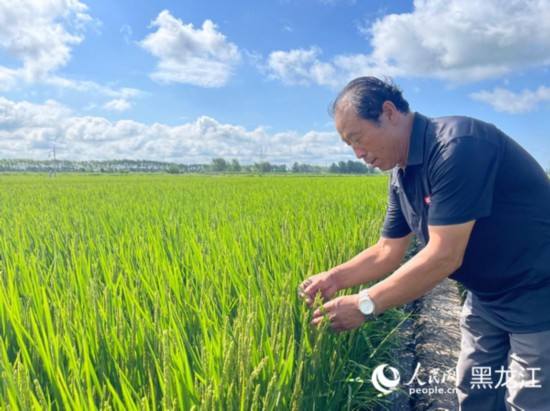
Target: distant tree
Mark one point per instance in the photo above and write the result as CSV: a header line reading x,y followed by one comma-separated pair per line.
x,y
173,169
219,165
149,166
350,167
307,168
263,167
357,167
235,166
333,168
343,167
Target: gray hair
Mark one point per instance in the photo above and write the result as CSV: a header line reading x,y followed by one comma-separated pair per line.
x,y
366,95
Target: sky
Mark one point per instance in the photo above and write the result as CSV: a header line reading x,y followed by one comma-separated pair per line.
x,y
186,81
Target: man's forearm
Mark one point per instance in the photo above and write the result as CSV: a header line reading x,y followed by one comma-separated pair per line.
x,y
412,280
441,257
369,265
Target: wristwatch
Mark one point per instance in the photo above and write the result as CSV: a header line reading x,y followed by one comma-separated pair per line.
x,y
366,305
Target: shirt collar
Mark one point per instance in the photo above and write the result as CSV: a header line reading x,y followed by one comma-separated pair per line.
x,y
416,147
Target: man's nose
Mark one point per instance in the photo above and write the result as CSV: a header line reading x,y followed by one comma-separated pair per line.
x,y
359,152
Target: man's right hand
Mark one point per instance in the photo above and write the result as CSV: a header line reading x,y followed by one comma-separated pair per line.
x,y
322,282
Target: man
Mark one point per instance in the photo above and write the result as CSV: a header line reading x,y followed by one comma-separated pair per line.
x,y
480,205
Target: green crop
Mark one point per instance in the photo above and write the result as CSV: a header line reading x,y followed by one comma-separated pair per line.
x,y
179,293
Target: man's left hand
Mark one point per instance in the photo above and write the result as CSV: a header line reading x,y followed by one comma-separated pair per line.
x,y
342,312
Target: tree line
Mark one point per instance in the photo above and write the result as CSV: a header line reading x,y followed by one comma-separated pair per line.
x,y
217,165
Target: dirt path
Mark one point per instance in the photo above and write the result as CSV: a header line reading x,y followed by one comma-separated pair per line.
x,y
428,355
437,345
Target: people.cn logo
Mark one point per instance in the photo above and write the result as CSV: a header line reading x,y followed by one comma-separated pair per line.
x,y
381,382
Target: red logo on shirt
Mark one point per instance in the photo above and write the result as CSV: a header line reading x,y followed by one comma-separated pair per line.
x,y
427,200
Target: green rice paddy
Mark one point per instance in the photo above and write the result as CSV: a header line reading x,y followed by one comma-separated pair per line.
x,y
179,292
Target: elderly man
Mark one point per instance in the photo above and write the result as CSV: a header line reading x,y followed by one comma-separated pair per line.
x,y
480,205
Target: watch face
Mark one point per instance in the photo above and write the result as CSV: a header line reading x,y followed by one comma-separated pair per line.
x,y
366,306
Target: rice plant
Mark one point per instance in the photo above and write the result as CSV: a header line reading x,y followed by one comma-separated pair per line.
x,y
179,293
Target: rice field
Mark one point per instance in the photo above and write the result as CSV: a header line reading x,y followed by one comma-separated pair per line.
x,y
179,292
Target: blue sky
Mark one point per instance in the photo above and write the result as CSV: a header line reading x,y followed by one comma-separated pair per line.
x,y
187,81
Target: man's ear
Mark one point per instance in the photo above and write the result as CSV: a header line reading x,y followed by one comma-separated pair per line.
x,y
389,111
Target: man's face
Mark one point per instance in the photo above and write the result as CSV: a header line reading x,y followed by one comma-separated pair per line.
x,y
373,143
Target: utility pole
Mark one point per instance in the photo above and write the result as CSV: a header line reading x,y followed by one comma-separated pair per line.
x,y
53,172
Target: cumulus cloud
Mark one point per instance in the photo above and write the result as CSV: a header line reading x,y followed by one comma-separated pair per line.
x,y
304,67
118,104
15,115
39,35
28,128
8,78
464,41
507,101
29,131
453,40
300,67
199,56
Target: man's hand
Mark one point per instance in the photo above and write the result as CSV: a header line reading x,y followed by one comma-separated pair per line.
x,y
342,312
323,283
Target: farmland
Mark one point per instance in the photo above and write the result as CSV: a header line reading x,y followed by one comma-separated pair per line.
x,y
171,292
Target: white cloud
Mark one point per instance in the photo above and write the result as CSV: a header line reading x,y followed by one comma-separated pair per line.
x,y
202,56
8,78
504,100
454,40
303,67
36,34
20,115
300,67
92,87
30,130
464,41
27,128
118,104
126,32
287,29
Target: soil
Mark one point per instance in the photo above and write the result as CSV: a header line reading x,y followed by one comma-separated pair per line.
x,y
427,358
437,345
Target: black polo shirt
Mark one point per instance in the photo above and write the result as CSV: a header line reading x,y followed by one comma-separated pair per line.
x,y
461,169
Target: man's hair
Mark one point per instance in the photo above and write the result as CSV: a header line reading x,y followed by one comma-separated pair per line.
x,y
366,95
